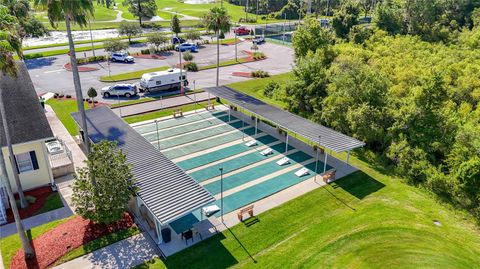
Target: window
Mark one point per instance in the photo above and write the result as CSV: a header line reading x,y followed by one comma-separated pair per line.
x,y
24,162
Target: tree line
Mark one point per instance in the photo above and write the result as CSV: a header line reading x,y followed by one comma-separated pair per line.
x,y
413,98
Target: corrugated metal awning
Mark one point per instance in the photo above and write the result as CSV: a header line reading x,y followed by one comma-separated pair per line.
x,y
167,191
325,137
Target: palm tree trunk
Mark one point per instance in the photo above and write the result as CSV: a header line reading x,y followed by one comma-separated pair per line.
x,y
23,201
27,247
76,83
218,57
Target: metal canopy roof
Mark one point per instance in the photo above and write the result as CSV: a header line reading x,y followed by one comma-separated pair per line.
x,y
317,133
167,191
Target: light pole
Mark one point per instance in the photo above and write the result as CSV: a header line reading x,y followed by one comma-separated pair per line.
x,y
236,59
91,38
158,137
221,191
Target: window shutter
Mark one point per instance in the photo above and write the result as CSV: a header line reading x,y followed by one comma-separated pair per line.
x,y
33,157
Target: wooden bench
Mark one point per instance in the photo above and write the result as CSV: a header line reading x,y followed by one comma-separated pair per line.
x,y
329,176
248,209
210,106
177,113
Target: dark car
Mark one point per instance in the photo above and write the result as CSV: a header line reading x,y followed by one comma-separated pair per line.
x,y
242,31
177,40
258,40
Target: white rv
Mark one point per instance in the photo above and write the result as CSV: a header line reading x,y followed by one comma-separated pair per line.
x,y
163,80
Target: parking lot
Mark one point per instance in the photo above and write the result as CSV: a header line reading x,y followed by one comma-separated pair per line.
x,y
48,73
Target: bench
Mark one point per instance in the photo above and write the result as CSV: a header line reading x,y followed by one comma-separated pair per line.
x,y
248,209
329,176
210,106
177,113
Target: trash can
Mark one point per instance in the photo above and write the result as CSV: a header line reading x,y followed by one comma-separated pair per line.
x,y
166,235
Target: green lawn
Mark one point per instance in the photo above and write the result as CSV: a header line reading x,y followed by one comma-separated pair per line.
x,y
11,244
53,202
131,75
368,219
98,244
255,87
166,112
63,108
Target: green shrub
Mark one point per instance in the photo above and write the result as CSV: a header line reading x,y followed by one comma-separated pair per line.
x,y
33,56
270,88
188,56
147,51
259,56
191,66
260,74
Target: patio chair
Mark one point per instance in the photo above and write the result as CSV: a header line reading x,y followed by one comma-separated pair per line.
x,y
266,152
187,235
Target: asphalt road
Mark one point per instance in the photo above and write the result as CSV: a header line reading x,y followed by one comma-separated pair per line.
x,y
48,74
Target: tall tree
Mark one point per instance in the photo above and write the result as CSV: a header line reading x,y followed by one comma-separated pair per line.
x,y
27,26
176,28
310,36
217,20
157,39
71,11
141,8
103,188
129,29
345,18
9,46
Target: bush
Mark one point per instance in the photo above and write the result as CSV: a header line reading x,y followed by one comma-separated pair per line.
x,y
91,59
61,95
68,96
260,74
33,56
248,20
188,56
191,66
259,56
270,88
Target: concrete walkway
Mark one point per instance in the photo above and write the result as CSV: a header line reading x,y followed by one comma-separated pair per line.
x,y
161,104
37,220
122,255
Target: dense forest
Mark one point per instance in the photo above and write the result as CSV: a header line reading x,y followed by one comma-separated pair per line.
x,y
408,85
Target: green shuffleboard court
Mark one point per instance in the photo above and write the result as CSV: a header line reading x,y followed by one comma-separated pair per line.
x,y
184,129
222,153
206,144
150,127
254,173
234,164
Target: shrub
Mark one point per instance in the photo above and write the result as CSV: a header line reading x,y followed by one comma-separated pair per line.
x,y
259,56
270,88
146,51
191,66
260,74
33,56
61,95
152,49
68,96
248,20
188,56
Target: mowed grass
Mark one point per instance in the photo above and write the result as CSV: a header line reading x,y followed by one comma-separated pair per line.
x,y
364,220
254,87
63,108
52,202
10,245
132,75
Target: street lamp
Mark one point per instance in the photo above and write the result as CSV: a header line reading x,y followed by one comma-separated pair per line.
x,y
221,191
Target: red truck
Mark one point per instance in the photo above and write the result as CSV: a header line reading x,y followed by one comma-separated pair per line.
x,y
242,31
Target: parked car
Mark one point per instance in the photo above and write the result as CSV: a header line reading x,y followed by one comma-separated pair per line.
x,y
187,46
127,90
242,30
177,40
122,57
258,40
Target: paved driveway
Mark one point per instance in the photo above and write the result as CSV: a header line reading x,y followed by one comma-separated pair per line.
x,y
48,73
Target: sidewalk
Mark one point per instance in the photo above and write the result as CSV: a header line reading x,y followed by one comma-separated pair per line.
x,y
161,104
36,220
124,254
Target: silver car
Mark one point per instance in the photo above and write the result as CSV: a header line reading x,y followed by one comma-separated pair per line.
x,y
127,90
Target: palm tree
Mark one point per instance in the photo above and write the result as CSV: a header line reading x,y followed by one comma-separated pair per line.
x,y
9,46
72,11
217,20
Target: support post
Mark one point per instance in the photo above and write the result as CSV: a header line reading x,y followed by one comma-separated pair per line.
x,y
221,190
286,144
325,164
316,164
348,156
229,109
158,136
256,122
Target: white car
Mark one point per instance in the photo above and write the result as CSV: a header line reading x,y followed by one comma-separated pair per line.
x,y
127,90
122,57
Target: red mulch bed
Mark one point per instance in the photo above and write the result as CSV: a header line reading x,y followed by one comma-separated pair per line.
x,y
242,74
67,236
150,56
40,193
68,67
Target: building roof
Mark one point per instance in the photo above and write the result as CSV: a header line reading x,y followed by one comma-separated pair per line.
x,y
26,117
314,132
167,191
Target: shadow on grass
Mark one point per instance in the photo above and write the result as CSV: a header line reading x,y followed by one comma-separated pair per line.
x,y
251,221
358,184
210,253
